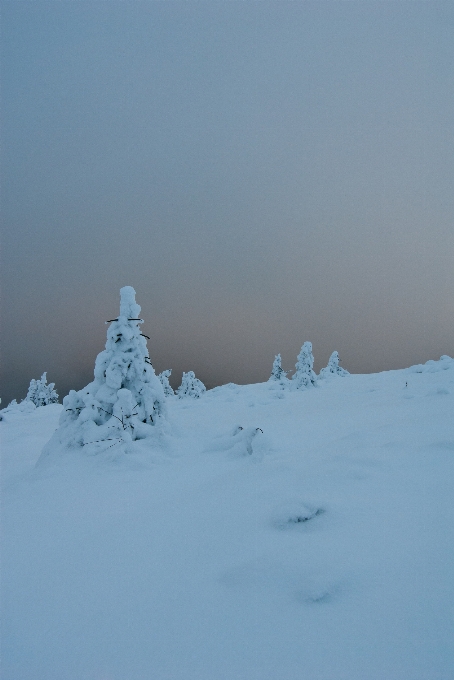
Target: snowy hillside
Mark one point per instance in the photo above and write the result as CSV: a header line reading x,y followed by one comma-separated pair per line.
x,y
315,543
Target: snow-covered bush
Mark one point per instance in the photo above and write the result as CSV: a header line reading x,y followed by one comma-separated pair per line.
x,y
164,378
277,372
126,400
242,441
304,375
445,362
190,386
24,406
40,393
333,367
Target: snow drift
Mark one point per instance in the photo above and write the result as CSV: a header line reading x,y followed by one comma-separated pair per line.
x,y
320,547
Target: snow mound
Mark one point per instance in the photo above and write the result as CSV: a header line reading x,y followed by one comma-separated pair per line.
x,y
295,515
443,364
242,441
25,406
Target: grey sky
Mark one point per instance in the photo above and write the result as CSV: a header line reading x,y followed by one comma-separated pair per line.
x,y
263,173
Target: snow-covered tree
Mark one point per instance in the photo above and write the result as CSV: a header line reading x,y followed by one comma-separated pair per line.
x,y
277,372
126,399
164,378
40,393
190,386
304,375
333,367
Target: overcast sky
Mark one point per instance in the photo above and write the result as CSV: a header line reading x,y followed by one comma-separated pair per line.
x,y
262,173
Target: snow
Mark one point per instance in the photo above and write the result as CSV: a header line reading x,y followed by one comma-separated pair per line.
x,y
40,393
191,387
314,543
125,402
333,368
304,375
277,372
166,386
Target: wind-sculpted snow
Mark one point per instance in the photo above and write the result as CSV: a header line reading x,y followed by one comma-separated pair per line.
x,y
267,534
445,363
242,441
295,515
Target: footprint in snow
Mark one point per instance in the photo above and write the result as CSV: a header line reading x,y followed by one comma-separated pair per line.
x,y
307,585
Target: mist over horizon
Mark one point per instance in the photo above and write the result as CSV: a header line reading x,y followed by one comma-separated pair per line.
x,y
261,173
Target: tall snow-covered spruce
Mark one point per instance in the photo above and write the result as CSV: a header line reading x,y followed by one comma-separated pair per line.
x,y
304,375
126,400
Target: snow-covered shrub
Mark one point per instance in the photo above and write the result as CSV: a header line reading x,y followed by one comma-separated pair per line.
x,y
304,375
444,363
126,400
24,406
246,438
277,372
190,386
333,367
242,441
164,378
40,393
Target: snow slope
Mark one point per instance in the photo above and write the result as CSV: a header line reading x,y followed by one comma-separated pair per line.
x,y
320,548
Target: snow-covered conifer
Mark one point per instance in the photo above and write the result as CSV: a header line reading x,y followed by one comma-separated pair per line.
x,y
277,372
126,399
190,386
333,367
40,393
304,375
164,378
32,388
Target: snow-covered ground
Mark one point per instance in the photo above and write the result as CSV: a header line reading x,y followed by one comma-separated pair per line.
x,y
317,547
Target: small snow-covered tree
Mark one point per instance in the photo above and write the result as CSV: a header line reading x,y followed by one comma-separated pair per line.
x,y
126,400
32,389
164,378
277,372
333,367
304,375
40,393
190,386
